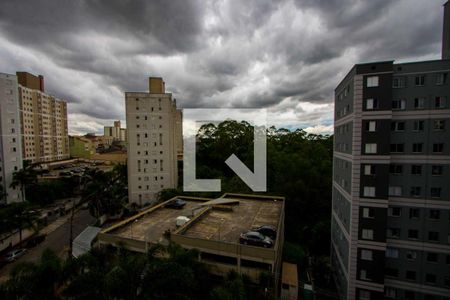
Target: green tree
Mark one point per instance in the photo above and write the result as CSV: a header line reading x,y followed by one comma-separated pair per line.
x,y
25,177
17,216
35,281
106,192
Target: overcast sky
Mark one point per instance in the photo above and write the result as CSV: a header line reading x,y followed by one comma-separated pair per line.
x,y
286,56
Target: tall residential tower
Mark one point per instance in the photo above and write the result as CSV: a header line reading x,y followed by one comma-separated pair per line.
x,y
153,140
10,139
43,121
390,228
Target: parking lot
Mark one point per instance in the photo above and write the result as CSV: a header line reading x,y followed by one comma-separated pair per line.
x,y
75,168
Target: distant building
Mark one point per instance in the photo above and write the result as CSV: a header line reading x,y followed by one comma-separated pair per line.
x,y
390,230
153,142
116,132
10,139
43,121
81,147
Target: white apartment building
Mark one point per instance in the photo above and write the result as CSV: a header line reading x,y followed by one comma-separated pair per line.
x,y
153,142
10,141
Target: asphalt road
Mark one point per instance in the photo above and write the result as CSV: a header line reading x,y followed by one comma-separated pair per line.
x,y
58,241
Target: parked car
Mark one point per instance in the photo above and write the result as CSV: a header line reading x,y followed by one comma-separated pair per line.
x,y
35,240
65,173
256,239
267,230
14,254
176,203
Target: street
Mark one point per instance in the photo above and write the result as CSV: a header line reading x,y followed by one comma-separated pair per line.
x,y
58,241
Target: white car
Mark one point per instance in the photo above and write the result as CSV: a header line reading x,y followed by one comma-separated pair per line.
x,y
14,254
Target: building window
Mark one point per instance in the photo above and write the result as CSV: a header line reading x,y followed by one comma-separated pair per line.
x,y
415,191
368,213
435,192
438,147
395,191
371,126
434,214
437,170
390,292
398,104
439,124
432,257
418,125
417,147
391,252
367,234
393,233
371,103
416,170
411,255
419,103
395,211
441,78
414,213
420,80
371,148
369,170
369,191
397,148
398,126
395,169
372,81
364,295
410,275
433,236
439,102
413,234
366,254
430,278
398,82
363,275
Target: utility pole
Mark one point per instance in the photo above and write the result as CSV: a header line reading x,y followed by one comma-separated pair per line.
x,y
71,228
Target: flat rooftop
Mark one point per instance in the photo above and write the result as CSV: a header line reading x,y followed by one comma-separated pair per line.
x,y
150,225
227,225
210,221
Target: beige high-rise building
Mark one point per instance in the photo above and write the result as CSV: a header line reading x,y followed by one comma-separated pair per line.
x,y
154,131
43,121
116,132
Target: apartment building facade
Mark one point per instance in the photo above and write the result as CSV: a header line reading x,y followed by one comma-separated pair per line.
x,y
153,138
116,132
391,193
10,139
43,121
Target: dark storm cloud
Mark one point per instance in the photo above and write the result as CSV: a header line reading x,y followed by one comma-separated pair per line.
x,y
259,53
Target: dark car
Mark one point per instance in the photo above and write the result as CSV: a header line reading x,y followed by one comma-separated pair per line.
x,y
35,240
176,203
256,239
267,230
